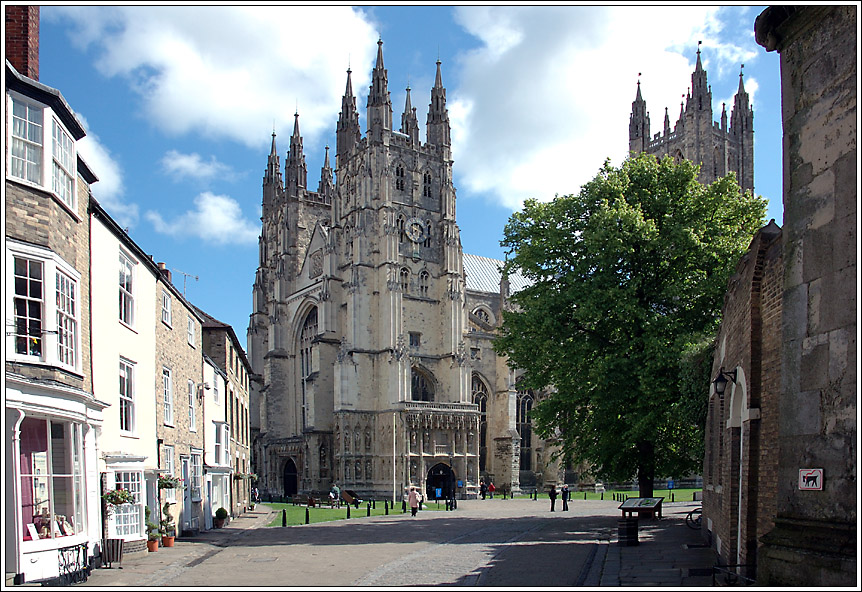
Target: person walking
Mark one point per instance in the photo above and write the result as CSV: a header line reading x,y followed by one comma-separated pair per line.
x,y
564,495
553,495
491,489
483,489
413,500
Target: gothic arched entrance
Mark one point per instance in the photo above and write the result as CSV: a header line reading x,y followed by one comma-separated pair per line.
x,y
440,477
291,482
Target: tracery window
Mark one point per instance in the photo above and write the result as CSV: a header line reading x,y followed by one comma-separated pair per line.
x,y
426,184
399,177
525,428
404,279
480,398
306,350
423,283
421,386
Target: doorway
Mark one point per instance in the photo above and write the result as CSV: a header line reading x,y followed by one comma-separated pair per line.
x,y
440,483
291,481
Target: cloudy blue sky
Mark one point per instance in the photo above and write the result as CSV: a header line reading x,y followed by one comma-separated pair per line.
x,y
180,103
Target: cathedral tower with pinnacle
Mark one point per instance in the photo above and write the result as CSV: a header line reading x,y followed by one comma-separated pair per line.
x,y
371,330
719,148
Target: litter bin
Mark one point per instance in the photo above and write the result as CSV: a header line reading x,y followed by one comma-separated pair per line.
x,y
112,550
628,532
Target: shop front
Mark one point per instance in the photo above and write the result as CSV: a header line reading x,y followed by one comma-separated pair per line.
x,y
52,510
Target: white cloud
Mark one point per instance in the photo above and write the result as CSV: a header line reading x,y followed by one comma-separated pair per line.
x,y
182,166
109,190
546,98
229,71
216,219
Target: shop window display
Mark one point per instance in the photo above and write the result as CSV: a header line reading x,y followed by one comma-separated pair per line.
x,y
51,473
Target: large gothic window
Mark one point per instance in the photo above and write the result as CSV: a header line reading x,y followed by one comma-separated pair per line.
x,y
525,429
480,398
421,386
306,350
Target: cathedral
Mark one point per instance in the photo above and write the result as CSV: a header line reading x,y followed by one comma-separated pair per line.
x,y
717,147
371,330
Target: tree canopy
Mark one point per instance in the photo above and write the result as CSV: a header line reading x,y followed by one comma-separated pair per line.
x,y
627,283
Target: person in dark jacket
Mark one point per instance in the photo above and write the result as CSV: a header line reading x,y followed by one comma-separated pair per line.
x,y
553,495
564,495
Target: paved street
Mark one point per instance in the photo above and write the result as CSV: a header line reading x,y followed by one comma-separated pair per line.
x,y
492,543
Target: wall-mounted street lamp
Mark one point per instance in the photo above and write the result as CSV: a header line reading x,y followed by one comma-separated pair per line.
x,y
722,379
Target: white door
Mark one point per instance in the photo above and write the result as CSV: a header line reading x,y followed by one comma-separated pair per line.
x,y
187,495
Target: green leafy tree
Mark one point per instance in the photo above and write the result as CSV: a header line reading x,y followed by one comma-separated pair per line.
x,y
627,284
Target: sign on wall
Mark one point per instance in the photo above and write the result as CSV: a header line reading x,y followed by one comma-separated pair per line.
x,y
811,479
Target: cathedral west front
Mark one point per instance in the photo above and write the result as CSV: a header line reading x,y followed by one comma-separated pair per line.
x,y
371,329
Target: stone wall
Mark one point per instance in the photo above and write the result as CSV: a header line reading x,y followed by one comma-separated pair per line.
x,y
814,540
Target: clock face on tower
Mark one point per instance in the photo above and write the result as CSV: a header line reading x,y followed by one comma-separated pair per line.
x,y
415,229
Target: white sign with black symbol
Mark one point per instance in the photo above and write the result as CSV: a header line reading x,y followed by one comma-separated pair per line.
x,y
811,479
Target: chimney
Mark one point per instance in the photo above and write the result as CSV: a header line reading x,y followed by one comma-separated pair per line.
x,y
165,271
22,39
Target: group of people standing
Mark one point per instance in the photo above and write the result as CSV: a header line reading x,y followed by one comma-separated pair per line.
x,y
564,495
487,489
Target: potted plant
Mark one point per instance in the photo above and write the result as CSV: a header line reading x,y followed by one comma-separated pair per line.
x,y
167,527
153,532
220,517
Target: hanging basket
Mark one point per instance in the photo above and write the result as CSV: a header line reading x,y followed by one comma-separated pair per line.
x,y
118,497
167,482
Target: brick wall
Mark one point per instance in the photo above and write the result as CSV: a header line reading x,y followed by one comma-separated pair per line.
x,y
22,39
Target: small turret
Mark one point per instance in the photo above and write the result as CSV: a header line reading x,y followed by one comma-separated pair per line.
x,y
639,126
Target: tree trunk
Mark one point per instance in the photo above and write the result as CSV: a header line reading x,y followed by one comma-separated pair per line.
x,y
646,468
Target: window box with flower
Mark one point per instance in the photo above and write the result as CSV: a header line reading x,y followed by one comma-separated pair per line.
x,y
168,482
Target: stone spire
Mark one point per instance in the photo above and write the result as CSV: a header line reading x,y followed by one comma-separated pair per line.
x,y
701,94
295,169
639,126
325,188
379,103
409,122
438,116
273,168
347,132
742,115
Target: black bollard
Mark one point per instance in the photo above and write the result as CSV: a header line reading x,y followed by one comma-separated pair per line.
x,y
368,509
603,496
348,511
671,496
284,517
585,495
306,516
386,507
403,507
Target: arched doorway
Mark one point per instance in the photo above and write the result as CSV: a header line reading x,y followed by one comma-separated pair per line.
x,y
440,477
291,482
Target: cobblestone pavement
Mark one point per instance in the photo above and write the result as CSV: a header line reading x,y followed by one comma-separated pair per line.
x,y
491,543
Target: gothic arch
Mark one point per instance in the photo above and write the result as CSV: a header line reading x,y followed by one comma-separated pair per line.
x,y
524,425
485,314
422,384
479,397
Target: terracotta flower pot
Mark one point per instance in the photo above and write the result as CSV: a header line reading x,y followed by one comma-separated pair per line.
x,y
153,546
167,541
218,522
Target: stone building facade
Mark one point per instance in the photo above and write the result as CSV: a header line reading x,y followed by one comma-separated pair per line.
x,y
718,147
780,467
180,409
814,542
220,343
371,329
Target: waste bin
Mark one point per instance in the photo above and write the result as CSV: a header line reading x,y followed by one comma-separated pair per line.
x,y
628,532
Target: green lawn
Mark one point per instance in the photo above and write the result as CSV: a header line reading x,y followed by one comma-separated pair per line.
x,y
295,515
676,495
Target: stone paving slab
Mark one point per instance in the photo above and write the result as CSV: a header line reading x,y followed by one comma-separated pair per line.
x,y
491,543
